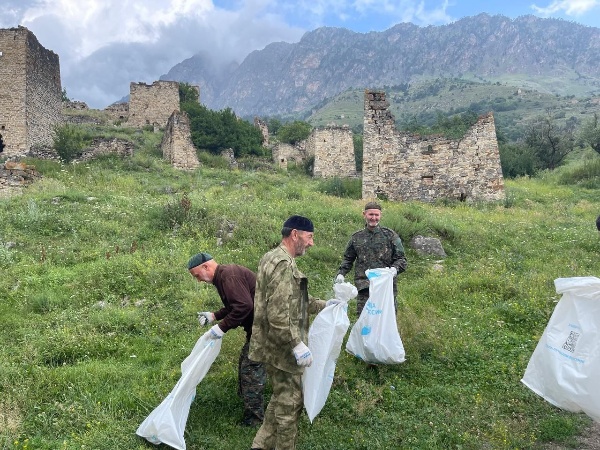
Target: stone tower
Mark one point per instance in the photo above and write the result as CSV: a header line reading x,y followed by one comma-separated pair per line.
x,y
333,149
404,166
30,92
177,145
152,104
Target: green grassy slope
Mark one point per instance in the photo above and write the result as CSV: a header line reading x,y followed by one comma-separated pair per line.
x,y
512,105
97,310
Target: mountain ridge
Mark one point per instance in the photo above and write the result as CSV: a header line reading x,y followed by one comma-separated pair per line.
x,y
291,78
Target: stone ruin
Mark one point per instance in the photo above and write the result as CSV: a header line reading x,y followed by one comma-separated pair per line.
x,y
264,129
30,92
177,145
107,146
118,111
152,104
284,153
14,176
333,149
403,166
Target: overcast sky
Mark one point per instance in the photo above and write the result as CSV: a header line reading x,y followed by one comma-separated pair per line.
x,y
103,45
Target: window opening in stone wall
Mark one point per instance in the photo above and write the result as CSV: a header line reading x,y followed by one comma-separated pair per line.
x,y
1,144
0,53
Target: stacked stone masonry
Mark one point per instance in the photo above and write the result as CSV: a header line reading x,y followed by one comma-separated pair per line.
x,y
264,129
284,154
152,104
118,111
177,145
403,166
30,92
333,148
14,176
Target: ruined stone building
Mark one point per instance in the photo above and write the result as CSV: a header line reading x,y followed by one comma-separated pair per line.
x,y
404,166
118,111
333,149
177,145
264,129
284,153
152,104
30,92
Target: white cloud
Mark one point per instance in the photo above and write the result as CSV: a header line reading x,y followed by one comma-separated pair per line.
x,y
103,45
569,7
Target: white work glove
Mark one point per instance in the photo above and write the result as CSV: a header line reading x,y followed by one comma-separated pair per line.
x,y
204,318
214,333
333,301
339,278
394,271
303,355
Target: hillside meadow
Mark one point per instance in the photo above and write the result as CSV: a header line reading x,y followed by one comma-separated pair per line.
x,y
97,309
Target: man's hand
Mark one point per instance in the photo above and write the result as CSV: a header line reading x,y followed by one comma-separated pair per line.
x,y
303,355
204,318
339,278
214,333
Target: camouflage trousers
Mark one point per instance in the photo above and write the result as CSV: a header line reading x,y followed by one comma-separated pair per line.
x,y
280,427
252,378
363,296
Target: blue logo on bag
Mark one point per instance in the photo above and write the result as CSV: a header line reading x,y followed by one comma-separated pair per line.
x,y
365,331
372,309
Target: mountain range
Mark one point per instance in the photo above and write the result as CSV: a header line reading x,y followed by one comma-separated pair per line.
x,y
552,56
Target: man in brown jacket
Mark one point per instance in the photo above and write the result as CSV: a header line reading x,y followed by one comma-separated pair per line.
x,y
235,285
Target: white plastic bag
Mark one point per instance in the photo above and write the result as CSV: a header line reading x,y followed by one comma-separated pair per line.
x,y
166,423
325,338
374,338
564,368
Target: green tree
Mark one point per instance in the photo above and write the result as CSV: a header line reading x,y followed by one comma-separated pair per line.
x,y
274,125
590,133
516,160
549,141
65,97
294,132
187,93
216,131
357,140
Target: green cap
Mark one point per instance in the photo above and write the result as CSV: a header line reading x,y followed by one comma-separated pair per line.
x,y
198,259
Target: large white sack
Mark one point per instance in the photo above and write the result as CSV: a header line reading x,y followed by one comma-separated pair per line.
x,y
374,338
166,423
325,338
564,368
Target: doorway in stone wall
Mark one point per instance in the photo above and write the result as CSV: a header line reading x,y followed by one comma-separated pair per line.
x,y
1,144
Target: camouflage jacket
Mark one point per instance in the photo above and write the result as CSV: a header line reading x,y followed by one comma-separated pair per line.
x,y
371,249
281,307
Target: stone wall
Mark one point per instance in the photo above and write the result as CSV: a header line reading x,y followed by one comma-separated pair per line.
x,y
14,176
30,92
286,153
403,166
152,104
177,145
264,129
104,146
333,149
118,111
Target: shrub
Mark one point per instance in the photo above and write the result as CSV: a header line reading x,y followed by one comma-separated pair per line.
x,y
342,187
69,141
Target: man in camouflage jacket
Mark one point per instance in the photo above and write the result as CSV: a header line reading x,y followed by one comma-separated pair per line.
x,y
280,331
370,248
